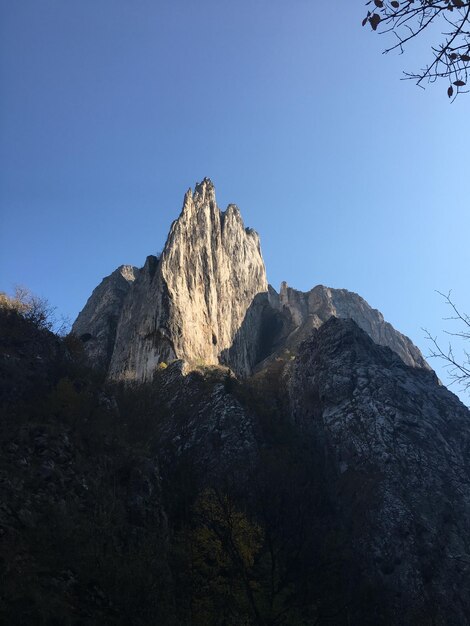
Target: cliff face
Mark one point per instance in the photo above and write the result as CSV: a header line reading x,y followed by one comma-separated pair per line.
x,y
396,444
97,323
306,311
190,303
206,300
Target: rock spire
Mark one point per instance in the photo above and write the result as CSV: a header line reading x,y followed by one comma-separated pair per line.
x,y
190,303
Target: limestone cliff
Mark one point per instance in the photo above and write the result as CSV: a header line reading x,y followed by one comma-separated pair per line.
x,y
190,303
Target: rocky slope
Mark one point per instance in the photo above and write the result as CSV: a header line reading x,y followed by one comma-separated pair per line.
x,y
396,445
83,532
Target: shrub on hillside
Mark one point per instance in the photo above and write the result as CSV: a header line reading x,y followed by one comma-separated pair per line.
x,y
33,308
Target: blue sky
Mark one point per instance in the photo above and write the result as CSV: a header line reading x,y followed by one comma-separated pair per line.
x,y
111,109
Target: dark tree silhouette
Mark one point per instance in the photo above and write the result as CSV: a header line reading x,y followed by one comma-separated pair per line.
x,y
450,58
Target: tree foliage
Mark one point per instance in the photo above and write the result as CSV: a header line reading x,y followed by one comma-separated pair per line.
x,y
223,546
407,19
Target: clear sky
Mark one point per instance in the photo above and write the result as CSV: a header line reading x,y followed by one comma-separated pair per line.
x,y
111,109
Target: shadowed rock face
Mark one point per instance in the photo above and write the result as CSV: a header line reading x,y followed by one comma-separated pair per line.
x,y
305,311
397,445
206,300
96,324
356,464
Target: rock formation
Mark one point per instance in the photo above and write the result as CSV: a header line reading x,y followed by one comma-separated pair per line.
x,y
305,311
206,300
396,444
327,482
189,303
97,323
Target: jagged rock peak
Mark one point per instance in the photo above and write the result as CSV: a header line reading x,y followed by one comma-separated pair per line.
x,y
308,310
204,190
128,272
202,204
207,277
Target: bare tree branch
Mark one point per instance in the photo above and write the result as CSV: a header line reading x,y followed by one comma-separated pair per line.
x,y
458,370
409,18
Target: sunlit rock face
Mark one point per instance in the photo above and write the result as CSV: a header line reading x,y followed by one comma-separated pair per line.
x,y
190,303
97,323
206,300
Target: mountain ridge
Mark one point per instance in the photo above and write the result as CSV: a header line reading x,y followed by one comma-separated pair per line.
x,y
206,299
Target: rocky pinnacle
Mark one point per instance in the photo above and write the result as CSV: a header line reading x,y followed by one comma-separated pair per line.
x,y
190,303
